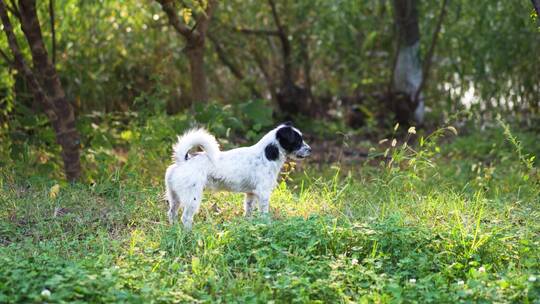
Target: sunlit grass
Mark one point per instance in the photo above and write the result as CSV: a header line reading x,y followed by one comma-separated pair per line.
x,y
440,232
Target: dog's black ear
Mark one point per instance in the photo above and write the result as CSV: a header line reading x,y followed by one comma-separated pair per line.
x,y
271,152
289,139
287,123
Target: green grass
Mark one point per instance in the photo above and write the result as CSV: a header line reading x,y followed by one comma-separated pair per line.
x,y
457,222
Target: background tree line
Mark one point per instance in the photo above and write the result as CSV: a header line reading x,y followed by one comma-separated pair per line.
x,y
363,63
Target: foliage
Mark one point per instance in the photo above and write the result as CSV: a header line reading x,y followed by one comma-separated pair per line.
x,y
486,71
111,53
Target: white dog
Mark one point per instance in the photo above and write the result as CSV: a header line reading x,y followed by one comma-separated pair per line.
x,y
252,170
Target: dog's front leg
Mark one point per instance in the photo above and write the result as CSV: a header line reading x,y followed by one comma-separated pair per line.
x,y
248,204
264,202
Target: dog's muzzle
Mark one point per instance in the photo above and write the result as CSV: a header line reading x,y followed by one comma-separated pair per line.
x,y
303,152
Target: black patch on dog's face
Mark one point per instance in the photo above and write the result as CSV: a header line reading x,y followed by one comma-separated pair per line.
x,y
289,139
271,152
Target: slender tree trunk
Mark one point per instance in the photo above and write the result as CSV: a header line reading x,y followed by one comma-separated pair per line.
x,y
45,85
407,75
431,51
292,99
307,69
53,31
237,73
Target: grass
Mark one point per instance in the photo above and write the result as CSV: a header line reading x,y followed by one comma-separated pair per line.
x,y
445,224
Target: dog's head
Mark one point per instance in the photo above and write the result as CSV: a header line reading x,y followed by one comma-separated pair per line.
x,y
291,141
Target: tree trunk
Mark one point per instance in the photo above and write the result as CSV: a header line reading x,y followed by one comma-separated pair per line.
x,y
292,100
195,54
46,87
407,75
195,38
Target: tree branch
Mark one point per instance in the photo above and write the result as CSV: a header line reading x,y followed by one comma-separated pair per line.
x,y
22,67
168,7
257,32
536,5
32,32
431,51
224,59
6,58
261,64
285,45
395,32
229,64
196,33
275,15
304,51
13,9
201,24
53,32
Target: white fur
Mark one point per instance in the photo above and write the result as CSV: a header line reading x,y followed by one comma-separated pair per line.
x,y
243,169
193,138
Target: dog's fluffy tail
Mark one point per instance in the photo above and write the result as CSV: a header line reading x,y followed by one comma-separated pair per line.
x,y
193,138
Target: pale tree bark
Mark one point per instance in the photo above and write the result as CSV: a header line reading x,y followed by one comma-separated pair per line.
x,y
407,74
44,82
195,41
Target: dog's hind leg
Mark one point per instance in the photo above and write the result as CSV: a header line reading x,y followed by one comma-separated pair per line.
x,y
248,204
190,209
174,205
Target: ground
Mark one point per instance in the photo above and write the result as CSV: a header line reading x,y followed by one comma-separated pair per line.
x,y
454,219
